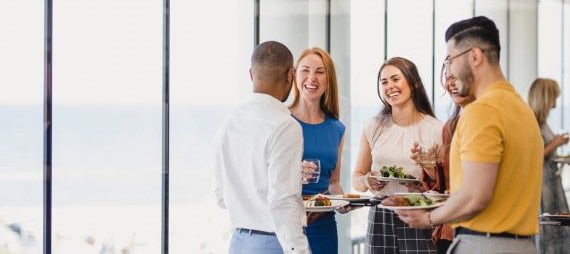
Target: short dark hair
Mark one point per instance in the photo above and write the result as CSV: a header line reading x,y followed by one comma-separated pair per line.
x,y
271,61
477,31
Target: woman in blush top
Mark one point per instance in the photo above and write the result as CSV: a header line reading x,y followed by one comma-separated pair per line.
x,y
406,118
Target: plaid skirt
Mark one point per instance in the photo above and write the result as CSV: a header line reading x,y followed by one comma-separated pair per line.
x,y
388,234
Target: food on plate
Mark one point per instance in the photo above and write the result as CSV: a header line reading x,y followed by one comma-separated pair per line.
x,y
318,200
350,195
396,201
437,198
412,200
418,200
394,172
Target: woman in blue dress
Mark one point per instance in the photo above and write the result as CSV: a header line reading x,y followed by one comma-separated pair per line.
x,y
316,107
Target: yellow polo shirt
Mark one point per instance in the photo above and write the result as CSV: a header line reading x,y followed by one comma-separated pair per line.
x,y
499,127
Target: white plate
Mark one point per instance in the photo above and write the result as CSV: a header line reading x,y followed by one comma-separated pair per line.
x,y
565,160
334,204
409,207
555,216
394,179
427,194
341,197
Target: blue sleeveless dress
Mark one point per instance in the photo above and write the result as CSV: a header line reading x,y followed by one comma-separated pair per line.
x,y
321,142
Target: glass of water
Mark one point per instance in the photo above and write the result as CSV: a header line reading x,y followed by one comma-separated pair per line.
x,y
311,170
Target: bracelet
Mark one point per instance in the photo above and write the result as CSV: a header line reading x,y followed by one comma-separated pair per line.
x,y
429,220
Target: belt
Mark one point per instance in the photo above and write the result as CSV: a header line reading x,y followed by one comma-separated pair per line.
x,y
253,231
466,231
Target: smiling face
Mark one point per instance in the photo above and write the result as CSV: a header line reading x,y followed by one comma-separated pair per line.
x,y
459,67
451,88
311,77
395,88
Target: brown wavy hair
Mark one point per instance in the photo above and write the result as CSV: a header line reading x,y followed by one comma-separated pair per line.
x,y
412,76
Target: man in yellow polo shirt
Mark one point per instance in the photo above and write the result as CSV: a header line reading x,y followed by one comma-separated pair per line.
x,y
496,152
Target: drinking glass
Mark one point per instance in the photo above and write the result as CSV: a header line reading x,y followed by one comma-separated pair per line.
x,y
563,149
427,159
311,170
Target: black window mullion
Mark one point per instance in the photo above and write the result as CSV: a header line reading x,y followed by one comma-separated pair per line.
x,y
47,149
165,125
256,13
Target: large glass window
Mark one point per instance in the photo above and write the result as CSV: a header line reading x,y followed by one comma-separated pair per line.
x,y
21,127
107,103
497,10
366,57
298,24
550,51
411,38
566,70
107,126
565,85
447,12
210,58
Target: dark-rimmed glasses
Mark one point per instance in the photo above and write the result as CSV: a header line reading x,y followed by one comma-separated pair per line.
x,y
447,63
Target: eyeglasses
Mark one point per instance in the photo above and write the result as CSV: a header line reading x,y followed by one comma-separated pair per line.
x,y
447,63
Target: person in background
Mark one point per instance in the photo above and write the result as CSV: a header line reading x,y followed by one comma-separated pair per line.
x,y
257,153
316,107
406,118
437,178
542,98
495,155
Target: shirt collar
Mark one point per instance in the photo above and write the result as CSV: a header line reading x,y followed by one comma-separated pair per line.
x,y
497,85
272,101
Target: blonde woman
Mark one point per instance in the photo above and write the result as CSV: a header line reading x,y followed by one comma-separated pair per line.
x,y
542,98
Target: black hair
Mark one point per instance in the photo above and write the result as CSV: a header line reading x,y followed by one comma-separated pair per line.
x,y
272,60
479,31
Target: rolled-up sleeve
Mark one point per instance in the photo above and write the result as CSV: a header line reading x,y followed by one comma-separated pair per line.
x,y
284,183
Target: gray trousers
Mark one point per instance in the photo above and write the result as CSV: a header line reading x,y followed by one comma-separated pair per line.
x,y
467,244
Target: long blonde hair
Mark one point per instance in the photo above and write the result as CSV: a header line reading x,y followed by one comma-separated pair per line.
x,y
329,101
542,97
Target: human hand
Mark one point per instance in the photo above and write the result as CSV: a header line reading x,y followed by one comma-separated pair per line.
x,y
415,152
312,217
561,139
371,181
347,208
425,159
418,218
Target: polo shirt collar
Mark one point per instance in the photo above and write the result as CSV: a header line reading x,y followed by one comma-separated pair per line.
x,y
498,85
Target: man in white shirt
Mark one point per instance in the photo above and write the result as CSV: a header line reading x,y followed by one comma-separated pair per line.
x,y
258,161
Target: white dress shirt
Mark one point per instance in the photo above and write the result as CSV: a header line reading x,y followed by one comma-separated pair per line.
x,y
258,153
